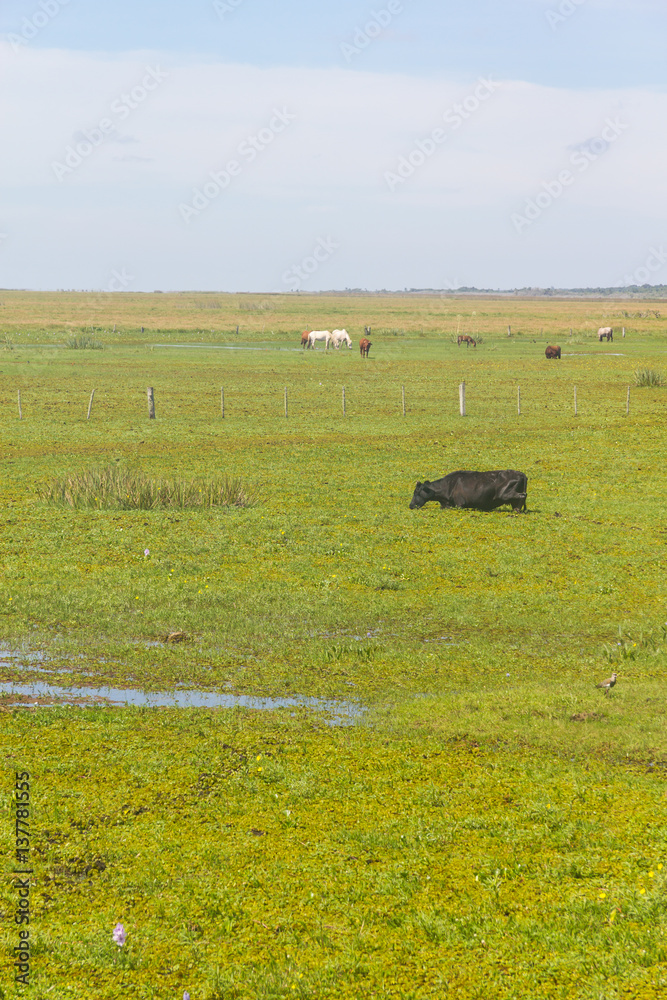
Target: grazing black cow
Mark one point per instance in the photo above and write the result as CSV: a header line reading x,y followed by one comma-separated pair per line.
x,y
479,490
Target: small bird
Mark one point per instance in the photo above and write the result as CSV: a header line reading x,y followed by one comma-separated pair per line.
x,y
608,684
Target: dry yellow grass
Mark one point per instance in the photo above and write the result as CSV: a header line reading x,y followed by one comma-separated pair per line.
x,y
51,313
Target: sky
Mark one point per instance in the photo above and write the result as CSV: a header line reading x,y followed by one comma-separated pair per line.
x,y
244,145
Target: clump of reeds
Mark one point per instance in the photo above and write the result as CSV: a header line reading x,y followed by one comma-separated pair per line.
x,y
115,488
84,342
649,377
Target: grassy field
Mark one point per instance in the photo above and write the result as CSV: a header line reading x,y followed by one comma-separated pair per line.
x,y
494,825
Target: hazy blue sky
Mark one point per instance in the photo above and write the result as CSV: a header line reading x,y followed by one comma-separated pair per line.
x,y
249,145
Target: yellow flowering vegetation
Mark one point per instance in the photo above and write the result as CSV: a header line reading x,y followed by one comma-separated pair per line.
x,y
492,825
252,854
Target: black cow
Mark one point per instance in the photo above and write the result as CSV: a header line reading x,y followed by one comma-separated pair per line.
x,y
479,490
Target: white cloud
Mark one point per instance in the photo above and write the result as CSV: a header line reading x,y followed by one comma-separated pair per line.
x,y
322,175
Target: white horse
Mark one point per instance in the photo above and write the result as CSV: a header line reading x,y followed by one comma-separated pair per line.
x,y
319,335
337,338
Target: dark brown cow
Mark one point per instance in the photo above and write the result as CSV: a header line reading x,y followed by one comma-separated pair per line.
x,y
364,346
552,352
465,339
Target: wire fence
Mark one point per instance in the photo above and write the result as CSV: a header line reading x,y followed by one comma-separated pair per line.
x,y
352,400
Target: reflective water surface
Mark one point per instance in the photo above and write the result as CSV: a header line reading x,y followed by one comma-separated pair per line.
x,y
340,712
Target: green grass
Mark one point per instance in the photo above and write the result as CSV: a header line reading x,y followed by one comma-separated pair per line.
x,y
649,377
116,488
488,760
332,551
84,342
250,855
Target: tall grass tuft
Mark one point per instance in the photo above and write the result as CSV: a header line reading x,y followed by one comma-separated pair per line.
x,y
84,342
115,488
649,377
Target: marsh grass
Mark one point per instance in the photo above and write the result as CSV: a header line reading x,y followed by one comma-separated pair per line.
x,y
628,646
573,718
115,488
84,342
250,855
498,828
649,377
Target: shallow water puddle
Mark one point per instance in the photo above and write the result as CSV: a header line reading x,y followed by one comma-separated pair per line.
x,y
228,347
26,661
342,713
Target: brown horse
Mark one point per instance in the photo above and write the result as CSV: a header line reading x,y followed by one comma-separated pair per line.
x,y
465,339
304,339
364,346
552,352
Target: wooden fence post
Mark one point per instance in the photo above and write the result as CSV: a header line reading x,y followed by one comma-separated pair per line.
x,y
343,400
509,330
575,400
462,399
623,331
285,402
627,403
20,410
403,395
151,403
222,402
90,404
518,399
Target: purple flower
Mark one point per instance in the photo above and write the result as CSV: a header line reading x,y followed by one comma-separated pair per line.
x,y
119,935
147,552
186,995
